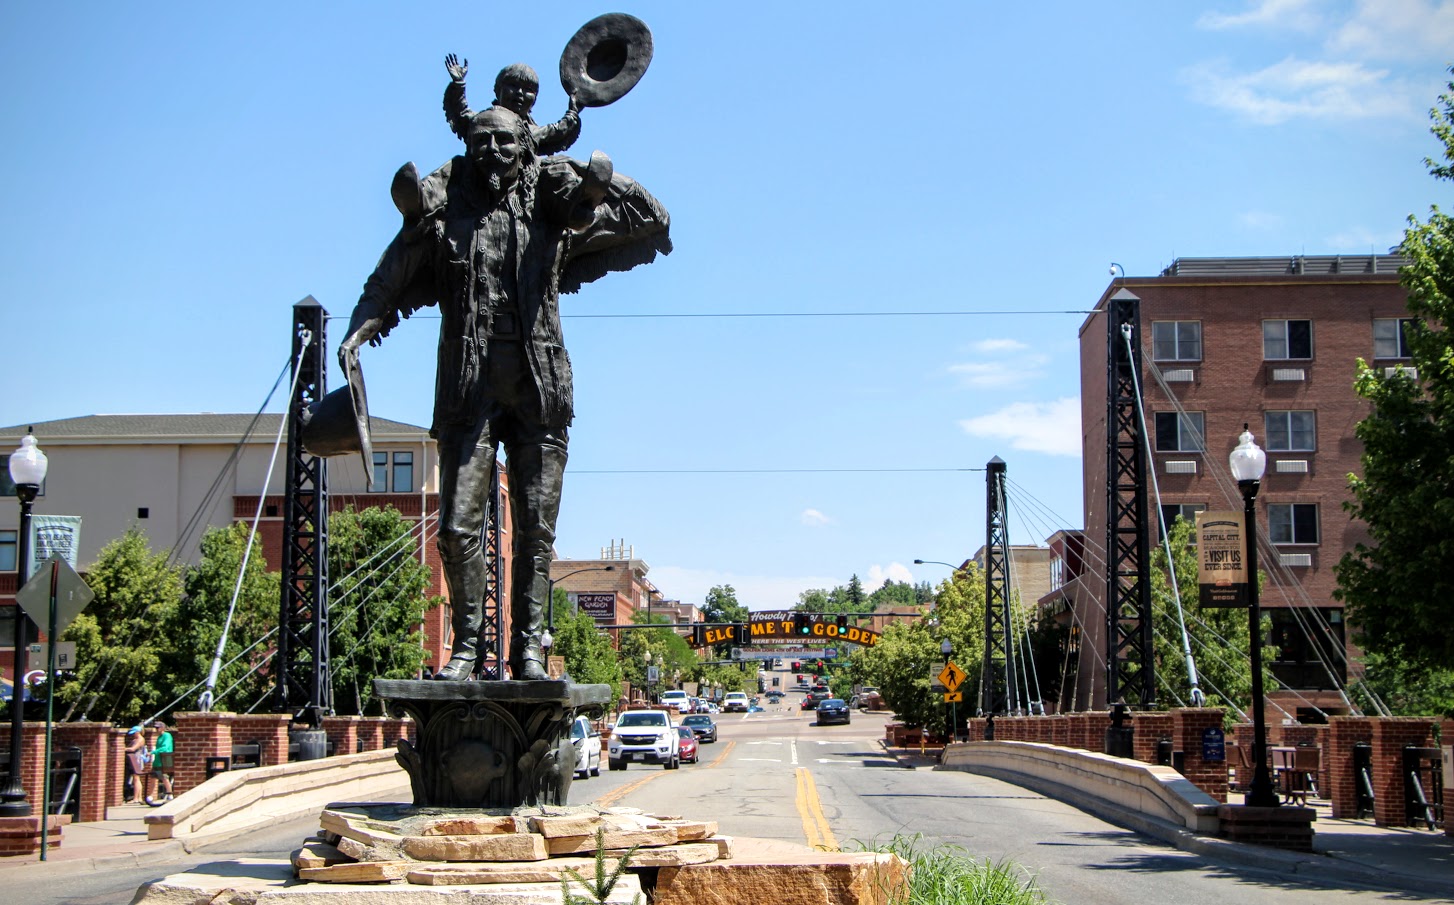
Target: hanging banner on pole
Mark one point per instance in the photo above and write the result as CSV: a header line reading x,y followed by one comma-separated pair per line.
x,y
53,535
1221,564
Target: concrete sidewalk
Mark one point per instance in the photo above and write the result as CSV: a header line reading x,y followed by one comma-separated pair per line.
x,y
1352,851
118,841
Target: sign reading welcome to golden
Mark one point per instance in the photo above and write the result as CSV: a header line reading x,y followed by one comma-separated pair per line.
x,y
1222,571
785,626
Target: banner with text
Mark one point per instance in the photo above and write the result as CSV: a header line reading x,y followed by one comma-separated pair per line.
x,y
53,535
1222,570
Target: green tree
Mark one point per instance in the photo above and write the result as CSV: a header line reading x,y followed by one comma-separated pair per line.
x,y
721,605
376,605
1397,588
901,662
900,593
589,657
117,637
1219,638
193,627
1405,690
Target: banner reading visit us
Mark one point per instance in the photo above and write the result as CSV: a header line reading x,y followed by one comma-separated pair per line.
x,y
1222,571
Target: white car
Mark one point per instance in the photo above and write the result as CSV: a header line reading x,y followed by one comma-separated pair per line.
x,y
678,700
644,736
736,702
587,739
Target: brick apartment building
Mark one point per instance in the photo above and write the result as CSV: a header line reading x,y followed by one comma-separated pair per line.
x,y
157,472
1273,343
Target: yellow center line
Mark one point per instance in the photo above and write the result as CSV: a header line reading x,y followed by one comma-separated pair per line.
x,y
723,756
815,824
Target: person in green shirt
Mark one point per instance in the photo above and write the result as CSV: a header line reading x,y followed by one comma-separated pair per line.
x,y
161,760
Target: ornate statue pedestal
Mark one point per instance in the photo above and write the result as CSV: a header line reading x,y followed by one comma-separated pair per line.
x,y
490,744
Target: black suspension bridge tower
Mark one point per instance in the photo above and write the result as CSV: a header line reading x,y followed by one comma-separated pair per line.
x,y
998,691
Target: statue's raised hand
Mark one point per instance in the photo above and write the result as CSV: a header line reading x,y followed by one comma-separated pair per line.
x,y
457,67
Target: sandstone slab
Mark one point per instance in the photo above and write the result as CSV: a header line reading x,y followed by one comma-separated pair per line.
x,y
505,847
792,878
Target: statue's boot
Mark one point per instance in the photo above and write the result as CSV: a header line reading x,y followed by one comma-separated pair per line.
x,y
466,581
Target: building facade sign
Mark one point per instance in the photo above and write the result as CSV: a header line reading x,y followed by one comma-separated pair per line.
x,y
600,607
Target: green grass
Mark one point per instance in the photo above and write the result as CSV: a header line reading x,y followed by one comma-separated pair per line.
x,y
948,875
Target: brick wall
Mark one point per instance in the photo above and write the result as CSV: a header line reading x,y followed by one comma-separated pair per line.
x,y
1446,740
372,733
1343,733
268,729
198,736
1150,727
1188,725
1390,736
343,733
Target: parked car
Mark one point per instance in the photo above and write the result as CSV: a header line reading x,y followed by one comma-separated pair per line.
x,y
687,745
832,710
812,699
736,702
644,736
702,725
677,700
587,739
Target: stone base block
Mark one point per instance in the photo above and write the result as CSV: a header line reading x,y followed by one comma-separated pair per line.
x,y
21,835
783,876
1287,827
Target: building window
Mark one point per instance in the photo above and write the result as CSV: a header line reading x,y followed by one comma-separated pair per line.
x,y
403,472
9,550
1389,340
1287,339
1180,432
1290,432
1176,340
1293,523
1057,573
379,481
1187,512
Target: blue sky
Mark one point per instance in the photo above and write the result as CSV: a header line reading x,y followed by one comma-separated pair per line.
x,y
178,175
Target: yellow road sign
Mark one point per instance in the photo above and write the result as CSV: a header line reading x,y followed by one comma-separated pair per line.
x,y
954,697
951,677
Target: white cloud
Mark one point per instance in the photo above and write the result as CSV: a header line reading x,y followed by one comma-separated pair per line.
x,y
993,374
1298,14
1261,220
813,518
993,346
1306,89
877,575
756,592
1397,30
1050,427
1359,240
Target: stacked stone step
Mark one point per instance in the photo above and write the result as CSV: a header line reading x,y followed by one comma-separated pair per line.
x,y
433,847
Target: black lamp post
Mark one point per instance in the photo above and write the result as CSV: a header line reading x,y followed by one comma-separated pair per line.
x,y
27,472
549,638
1248,463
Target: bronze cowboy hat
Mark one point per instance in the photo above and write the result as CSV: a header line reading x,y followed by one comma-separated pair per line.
x,y
338,423
605,59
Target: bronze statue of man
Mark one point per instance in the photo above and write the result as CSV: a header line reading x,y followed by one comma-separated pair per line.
x,y
492,238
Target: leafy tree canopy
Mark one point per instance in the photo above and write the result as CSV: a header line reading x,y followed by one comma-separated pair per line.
x,y
1398,586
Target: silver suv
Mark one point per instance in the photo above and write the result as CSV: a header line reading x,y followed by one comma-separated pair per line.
x,y
644,736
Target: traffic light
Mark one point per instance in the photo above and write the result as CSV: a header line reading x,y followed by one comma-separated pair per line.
x,y
744,633
842,623
802,625
699,636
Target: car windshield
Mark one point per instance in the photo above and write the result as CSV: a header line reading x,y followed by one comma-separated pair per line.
x,y
831,703
684,732
578,730
637,720
697,721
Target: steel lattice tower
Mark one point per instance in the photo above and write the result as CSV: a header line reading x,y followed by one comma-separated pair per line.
x,y
489,664
1130,666
304,684
997,685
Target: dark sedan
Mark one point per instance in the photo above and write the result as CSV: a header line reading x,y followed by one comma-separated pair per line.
x,y
702,726
832,710
812,699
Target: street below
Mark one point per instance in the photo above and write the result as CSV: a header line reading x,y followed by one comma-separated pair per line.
x,y
774,774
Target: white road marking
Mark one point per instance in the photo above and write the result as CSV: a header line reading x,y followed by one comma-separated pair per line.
x,y
793,747
766,760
